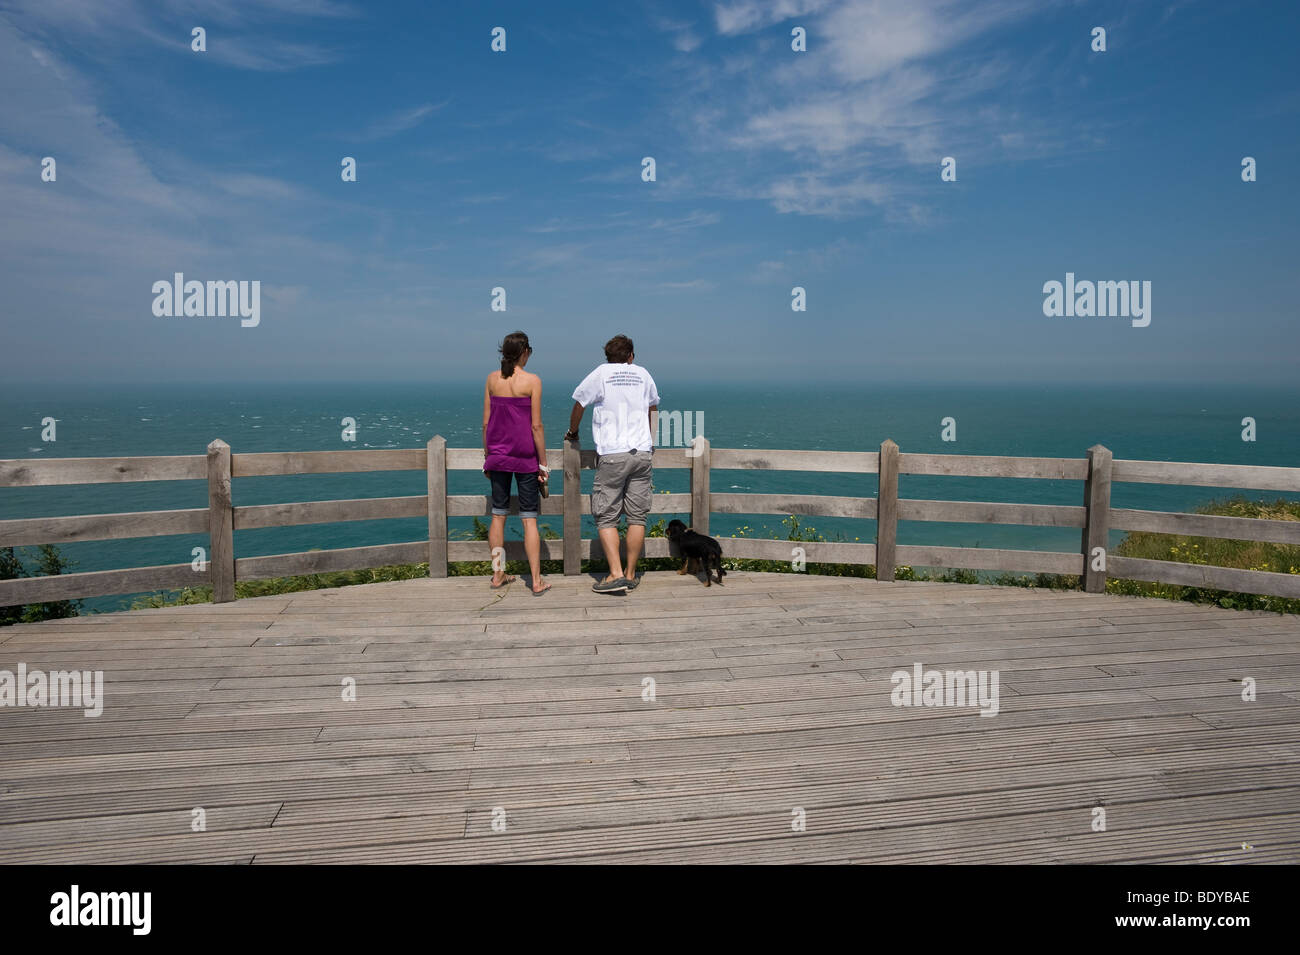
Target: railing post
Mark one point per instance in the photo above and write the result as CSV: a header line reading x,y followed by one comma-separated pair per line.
x,y
436,465
221,524
1096,524
700,484
572,503
887,511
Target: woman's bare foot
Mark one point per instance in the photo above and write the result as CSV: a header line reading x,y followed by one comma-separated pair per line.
x,y
543,588
499,580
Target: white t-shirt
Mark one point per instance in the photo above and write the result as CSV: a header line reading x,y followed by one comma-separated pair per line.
x,y
620,397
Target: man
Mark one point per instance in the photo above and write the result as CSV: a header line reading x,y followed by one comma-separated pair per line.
x,y
623,396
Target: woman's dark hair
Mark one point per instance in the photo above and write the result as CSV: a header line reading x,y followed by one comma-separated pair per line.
x,y
513,348
618,350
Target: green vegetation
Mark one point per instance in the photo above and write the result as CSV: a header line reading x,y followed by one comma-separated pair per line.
x,y
1247,555
49,562
1244,555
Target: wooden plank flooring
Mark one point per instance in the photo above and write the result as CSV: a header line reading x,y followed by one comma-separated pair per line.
x,y
772,694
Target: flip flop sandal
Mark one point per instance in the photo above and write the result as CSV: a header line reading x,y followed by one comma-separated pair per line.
x,y
546,590
505,583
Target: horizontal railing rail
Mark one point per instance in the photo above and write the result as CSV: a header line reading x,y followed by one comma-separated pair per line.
x,y
220,568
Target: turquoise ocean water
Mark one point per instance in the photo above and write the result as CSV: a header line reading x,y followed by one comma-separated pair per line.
x,y
1151,423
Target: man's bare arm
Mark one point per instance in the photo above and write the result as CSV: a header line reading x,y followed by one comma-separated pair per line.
x,y
575,417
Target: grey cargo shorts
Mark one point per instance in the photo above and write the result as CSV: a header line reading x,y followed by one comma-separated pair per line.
x,y
624,483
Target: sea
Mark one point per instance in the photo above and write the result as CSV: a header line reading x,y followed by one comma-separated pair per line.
x,y
1139,421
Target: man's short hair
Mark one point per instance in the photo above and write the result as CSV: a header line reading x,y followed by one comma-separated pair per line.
x,y
618,350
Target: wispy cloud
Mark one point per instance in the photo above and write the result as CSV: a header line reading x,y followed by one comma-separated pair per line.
x,y
692,220
251,186
244,34
747,15
838,130
401,121
693,284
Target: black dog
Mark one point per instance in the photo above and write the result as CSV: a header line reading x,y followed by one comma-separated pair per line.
x,y
697,549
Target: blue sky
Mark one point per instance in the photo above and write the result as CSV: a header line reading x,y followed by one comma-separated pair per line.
x,y
522,169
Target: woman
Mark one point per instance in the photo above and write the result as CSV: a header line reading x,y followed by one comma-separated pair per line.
x,y
515,446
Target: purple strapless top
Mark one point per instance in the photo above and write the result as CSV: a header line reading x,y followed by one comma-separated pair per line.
x,y
510,435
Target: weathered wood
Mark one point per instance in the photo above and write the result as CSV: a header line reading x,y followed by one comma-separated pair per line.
x,y
812,552
33,472
92,527
988,512
665,503
221,528
983,465
436,458
460,551
471,459
850,462
1207,475
1202,575
535,706
819,505
979,558
887,511
330,512
572,508
700,505
1206,525
663,458
464,459
325,561
1096,529
25,590
480,505
327,462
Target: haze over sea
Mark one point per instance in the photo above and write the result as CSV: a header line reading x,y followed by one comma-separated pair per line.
x,y
1157,422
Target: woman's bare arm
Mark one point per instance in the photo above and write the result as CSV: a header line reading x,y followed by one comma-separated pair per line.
x,y
539,434
487,413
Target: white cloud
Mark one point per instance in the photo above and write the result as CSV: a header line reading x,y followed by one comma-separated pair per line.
x,y
748,15
241,33
686,41
260,187
694,283
80,254
401,120
692,220
886,85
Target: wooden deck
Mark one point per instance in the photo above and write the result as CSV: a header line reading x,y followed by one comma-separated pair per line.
x,y
773,693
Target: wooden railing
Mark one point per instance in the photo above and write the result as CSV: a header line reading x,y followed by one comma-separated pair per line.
x,y
1094,517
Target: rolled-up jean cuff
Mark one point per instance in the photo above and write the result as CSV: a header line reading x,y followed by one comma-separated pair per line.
x,y
500,511
529,515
